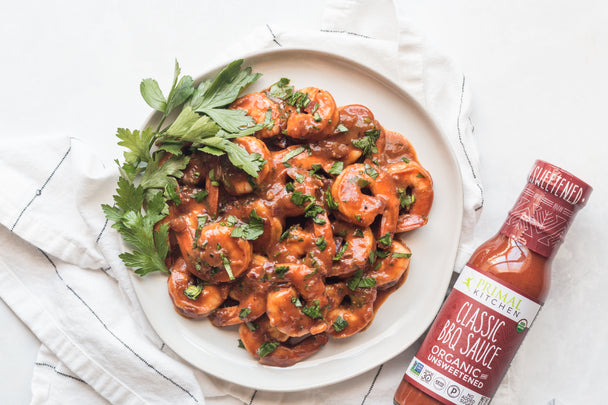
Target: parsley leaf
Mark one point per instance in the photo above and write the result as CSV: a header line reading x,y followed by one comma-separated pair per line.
x,y
336,168
329,200
386,239
368,143
146,185
371,171
293,153
225,88
341,252
193,291
398,255
339,324
313,311
357,281
251,231
266,348
321,243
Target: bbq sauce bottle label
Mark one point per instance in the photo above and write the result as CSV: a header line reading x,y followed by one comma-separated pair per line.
x,y
472,341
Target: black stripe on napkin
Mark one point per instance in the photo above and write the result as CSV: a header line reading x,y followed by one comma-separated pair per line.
x,y
112,333
466,154
59,372
274,37
371,387
345,32
39,191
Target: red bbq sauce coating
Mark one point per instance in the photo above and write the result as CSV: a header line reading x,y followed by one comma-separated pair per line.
x,y
519,257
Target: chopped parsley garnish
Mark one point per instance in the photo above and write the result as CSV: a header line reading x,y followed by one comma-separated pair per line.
x,y
287,233
406,160
201,220
341,252
281,89
214,181
252,326
244,313
299,177
266,348
341,128
231,220
382,254
289,187
296,301
368,143
280,271
241,345
312,210
268,121
226,263
329,200
360,182
386,239
371,171
193,291
405,199
339,324
358,233
321,243
357,281
200,196
313,311
317,117
420,176
299,199
336,168
398,255
292,154
251,231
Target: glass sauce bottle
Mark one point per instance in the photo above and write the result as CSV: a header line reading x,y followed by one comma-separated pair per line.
x,y
486,316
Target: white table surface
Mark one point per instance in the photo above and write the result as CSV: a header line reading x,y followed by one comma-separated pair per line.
x,y
537,71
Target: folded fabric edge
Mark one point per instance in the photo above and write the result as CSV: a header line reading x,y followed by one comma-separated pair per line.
x,y
45,328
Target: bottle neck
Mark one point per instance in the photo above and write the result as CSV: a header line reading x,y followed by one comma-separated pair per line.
x,y
539,220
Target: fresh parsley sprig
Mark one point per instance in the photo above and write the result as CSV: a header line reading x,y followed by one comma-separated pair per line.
x,y
148,179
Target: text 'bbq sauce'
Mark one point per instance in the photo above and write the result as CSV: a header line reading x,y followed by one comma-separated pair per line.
x,y
496,297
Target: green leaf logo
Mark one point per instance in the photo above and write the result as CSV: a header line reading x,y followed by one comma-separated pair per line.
x,y
522,325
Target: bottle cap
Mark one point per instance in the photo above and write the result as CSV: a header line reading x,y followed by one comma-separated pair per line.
x,y
545,209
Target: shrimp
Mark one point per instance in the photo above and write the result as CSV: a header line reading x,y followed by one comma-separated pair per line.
x,y
286,311
390,266
352,310
312,246
272,225
316,116
355,122
190,297
263,111
273,348
415,191
250,292
359,208
355,245
291,188
397,148
219,257
236,181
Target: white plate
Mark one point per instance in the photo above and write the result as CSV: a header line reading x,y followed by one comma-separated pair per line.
x,y
406,313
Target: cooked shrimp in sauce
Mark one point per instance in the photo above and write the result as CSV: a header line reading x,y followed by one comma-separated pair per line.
x,y
299,253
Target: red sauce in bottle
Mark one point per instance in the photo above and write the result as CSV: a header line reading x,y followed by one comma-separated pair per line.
x,y
486,316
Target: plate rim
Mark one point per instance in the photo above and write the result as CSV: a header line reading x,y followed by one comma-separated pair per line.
x,y
426,116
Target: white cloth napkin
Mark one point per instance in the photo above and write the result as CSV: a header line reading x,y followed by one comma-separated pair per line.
x,y
59,269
